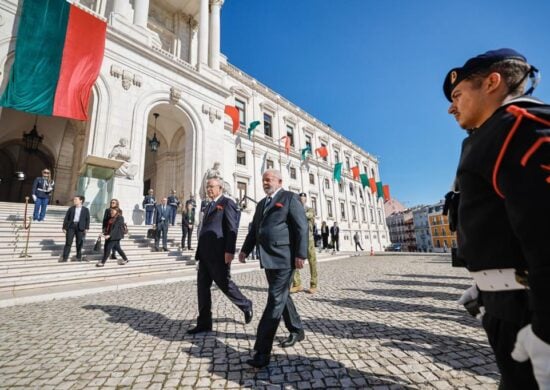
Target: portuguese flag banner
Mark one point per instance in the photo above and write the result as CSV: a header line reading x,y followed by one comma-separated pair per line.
x,y
58,56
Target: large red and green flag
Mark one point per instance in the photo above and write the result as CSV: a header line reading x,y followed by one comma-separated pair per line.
x,y
233,113
322,151
286,138
338,172
355,172
379,189
386,189
372,183
58,56
364,180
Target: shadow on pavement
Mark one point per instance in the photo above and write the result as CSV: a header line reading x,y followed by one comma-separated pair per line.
x,y
400,282
459,352
406,293
440,277
285,369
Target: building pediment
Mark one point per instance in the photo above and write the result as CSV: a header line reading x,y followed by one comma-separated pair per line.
x,y
268,106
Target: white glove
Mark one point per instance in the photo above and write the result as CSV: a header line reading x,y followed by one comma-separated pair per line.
x,y
469,295
34,198
529,346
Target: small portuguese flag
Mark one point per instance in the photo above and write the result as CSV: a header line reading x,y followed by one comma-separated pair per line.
x,y
58,56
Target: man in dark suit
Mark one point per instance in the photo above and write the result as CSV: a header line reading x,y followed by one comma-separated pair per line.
x,y
187,224
215,251
281,232
161,219
335,237
76,223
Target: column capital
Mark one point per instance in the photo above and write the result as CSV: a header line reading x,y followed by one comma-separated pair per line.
x,y
217,2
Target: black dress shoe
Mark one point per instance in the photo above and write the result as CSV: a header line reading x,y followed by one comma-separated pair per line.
x,y
259,360
199,329
292,339
248,314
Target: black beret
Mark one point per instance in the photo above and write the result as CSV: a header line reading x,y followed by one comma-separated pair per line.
x,y
302,194
475,64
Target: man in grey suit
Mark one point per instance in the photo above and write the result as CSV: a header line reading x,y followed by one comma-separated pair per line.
x,y
280,230
161,219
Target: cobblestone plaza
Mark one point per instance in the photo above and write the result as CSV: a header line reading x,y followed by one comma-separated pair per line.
x,y
377,322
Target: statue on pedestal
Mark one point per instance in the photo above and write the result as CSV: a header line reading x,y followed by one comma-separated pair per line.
x,y
121,151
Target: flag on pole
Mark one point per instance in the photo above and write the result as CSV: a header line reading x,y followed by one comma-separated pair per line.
x,y
251,127
233,113
379,189
386,189
305,152
338,172
58,56
355,172
372,183
287,144
364,180
322,151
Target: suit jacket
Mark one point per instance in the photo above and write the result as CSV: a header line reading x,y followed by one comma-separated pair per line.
x,y
324,230
188,218
218,233
117,229
280,231
83,222
157,219
41,189
334,231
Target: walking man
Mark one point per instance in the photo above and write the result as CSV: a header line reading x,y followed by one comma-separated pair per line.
x,y
311,254
42,188
215,252
187,224
149,205
76,223
280,230
162,218
335,237
504,209
357,239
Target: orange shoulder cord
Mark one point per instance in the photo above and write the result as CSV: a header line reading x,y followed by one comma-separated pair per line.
x,y
519,113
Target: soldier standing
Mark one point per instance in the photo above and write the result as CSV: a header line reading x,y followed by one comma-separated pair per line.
x,y
504,182
149,206
311,255
173,203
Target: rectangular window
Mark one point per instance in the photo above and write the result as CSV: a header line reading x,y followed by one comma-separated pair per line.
x,y
241,106
336,157
363,215
372,216
293,173
290,133
348,167
241,189
353,213
341,187
314,204
308,142
311,178
365,169
379,217
329,208
269,164
327,184
241,157
342,210
268,130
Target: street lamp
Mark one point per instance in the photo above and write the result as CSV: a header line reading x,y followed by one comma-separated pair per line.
x,y
32,139
154,143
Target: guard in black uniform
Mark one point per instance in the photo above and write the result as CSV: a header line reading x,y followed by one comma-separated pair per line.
x,y
149,203
503,226
173,203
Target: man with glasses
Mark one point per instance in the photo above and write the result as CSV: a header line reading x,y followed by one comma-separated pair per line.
x,y
42,188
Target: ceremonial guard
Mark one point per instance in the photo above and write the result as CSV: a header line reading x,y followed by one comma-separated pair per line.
x,y
149,203
502,228
173,204
311,255
42,188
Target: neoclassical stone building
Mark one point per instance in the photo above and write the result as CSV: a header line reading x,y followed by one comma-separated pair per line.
x,y
163,57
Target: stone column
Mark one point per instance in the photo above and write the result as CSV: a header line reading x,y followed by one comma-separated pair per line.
x,y
120,7
214,58
203,33
141,13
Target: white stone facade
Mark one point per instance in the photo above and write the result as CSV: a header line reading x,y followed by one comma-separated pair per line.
x,y
162,56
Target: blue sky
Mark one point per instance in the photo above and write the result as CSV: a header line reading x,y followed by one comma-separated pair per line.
x,y
373,70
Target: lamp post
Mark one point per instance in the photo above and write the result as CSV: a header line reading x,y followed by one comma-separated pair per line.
x,y
154,143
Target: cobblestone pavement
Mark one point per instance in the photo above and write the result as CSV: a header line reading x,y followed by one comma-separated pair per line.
x,y
377,322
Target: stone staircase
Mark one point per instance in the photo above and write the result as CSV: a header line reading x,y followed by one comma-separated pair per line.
x,y
42,273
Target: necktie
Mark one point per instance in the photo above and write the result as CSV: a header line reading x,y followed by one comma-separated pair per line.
x,y
267,202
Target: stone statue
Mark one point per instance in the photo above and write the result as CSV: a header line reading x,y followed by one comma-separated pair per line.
x,y
214,173
121,151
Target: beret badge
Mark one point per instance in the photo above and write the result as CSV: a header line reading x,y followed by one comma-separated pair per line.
x,y
453,76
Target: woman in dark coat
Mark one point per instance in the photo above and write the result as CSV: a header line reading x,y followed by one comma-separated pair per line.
x,y
106,216
113,233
